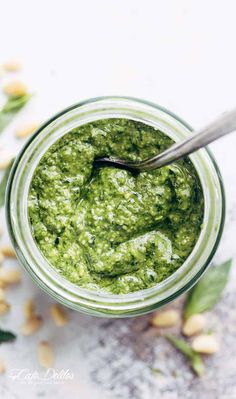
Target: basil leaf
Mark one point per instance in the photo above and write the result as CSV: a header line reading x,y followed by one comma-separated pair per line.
x,y
208,290
11,107
197,365
6,336
182,345
196,361
3,183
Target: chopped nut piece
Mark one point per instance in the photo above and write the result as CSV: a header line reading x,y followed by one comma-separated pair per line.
x,y
10,276
29,308
2,367
194,325
12,66
26,130
58,314
31,325
206,344
15,89
2,295
8,251
166,318
4,307
45,354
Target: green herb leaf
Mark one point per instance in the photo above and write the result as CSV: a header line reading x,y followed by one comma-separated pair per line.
x,y
197,365
156,371
196,361
6,336
182,345
11,107
208,290
3,183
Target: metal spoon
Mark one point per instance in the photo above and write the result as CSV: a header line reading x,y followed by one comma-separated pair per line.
x,y
220,127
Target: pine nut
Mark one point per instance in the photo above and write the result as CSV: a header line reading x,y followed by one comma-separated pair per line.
x,y
10,276
194,325
206,344
2,295
29,308
5,162
58,314
8,251
1,257
26,130
167,318
2,367
45,354
4,307
15,89
31,325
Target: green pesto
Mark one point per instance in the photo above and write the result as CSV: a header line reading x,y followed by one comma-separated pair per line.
x,y
106,228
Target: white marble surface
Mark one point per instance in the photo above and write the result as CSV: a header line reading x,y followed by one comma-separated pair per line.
x,y
180,54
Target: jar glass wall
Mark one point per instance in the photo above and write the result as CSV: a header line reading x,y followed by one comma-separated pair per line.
x,y
100,303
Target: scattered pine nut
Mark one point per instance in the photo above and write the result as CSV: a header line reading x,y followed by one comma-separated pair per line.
x,y
10,276
8,251
31,325
45,354
4,307
166,318
1,256
5,162
2,295
12,66
29,308
2,367
26,130
194,325
15,89
58,314
206,344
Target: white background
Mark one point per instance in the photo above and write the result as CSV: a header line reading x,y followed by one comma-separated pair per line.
x,y
179,54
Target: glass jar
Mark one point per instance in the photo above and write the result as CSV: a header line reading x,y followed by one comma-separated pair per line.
x,y
99,303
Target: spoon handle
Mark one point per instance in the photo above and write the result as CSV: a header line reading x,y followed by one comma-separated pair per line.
x,y
220,127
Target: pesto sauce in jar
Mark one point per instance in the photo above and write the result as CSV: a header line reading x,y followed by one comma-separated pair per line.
x,y
110,229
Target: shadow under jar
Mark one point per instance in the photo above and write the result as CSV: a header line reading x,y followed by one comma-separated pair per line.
x,y
97,302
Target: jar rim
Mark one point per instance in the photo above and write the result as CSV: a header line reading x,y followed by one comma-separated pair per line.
x,y
97,302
